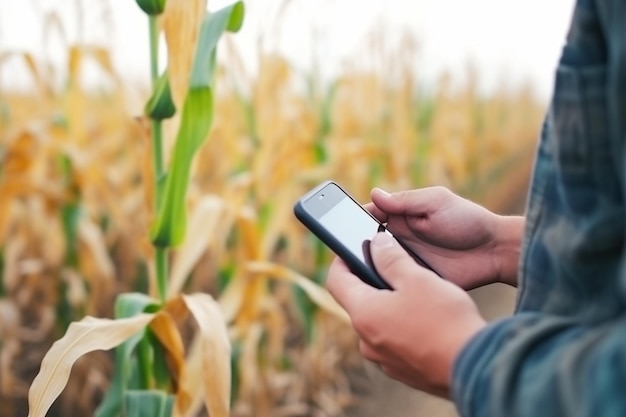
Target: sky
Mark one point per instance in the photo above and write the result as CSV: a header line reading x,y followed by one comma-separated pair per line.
x,y
515,40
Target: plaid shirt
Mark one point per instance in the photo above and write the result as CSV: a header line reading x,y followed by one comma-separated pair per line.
x,y
563,352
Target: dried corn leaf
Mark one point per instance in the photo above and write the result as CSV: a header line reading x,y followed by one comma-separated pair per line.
x,y
249,364
318,294
166,331
13,252
190,389
251,236
81,337
181,22
216,352
231,299
91,235
206,216
254,285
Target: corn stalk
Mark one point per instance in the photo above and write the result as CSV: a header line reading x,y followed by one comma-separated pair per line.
x,y
145,330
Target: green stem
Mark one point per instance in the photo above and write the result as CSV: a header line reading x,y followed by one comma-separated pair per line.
x,y
157,157
161,272
154,48
144,357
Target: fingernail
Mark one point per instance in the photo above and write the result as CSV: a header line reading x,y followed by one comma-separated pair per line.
x,y
383,240
381,192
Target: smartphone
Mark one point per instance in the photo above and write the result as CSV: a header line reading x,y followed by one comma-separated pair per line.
x,y
345,227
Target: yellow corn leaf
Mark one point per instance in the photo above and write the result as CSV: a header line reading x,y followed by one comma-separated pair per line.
x,y
14,250
254,286
190,387
81,337
76,101
282,210
249,365
251,240
165,329
319,295
205,218
22,155
91,235
6,210
231,299
276,327
216,352
181,22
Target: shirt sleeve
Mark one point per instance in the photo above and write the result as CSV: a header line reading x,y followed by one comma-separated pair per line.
x,y
530,365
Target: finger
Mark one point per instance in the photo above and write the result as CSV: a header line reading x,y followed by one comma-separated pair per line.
x,y
376,212
393,262
368,352
420,202
345,287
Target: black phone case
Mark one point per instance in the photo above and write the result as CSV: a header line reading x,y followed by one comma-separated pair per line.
x,y
366,273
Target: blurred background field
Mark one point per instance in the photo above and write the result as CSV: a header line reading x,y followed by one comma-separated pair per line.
x,y
75,208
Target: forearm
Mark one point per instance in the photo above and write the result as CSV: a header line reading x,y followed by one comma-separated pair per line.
x,y
510,232
537,365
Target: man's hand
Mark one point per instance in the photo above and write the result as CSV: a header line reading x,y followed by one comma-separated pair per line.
x,y
415,332
464,242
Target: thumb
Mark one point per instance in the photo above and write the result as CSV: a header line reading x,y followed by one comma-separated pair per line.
x,y
392,261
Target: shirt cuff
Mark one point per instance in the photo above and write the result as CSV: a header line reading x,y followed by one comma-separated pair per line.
x,y
471,364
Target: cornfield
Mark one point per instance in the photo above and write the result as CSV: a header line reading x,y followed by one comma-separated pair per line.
x,y
80,213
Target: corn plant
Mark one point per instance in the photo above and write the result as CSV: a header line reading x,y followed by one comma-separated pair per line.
x,y
144,330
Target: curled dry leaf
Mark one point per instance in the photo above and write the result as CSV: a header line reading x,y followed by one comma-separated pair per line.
x,y
190,387
211,377
81,337
165,329
215,352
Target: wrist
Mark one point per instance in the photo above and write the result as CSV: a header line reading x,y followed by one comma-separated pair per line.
x,y
509,234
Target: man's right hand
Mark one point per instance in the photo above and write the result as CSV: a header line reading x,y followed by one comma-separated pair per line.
x,y
462,241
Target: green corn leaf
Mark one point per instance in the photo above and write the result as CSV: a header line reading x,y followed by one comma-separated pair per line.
x,y
148,403
196,119
161,105
126,305
152,7
162,373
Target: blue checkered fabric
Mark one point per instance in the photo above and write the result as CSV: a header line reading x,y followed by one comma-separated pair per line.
x,y
563,352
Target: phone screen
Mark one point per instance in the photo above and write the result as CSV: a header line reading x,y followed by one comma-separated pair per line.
x,y
353,226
